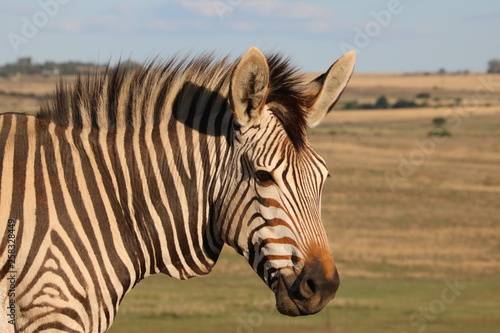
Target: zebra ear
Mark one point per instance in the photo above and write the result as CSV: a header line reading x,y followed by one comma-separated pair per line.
x,y
249,87
325,90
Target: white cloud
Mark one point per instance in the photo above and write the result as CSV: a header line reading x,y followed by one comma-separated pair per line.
x,y
245,26
320,27
262,8
162,25
203,7
125,10
286,9
202,16
69,26
108,23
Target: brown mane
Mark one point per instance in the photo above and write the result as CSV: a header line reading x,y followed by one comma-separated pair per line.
x,y
126,95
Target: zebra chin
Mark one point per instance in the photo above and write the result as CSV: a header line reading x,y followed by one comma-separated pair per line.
x,y
306,293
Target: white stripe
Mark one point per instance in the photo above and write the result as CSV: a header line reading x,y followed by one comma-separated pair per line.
x,y
49,277
121,144
98,266
114,224
164,197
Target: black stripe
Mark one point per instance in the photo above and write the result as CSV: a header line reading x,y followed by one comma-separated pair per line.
x,y
172,198
4,133
41,226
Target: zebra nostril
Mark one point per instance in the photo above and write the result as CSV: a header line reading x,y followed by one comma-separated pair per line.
x,y
307,288
311,285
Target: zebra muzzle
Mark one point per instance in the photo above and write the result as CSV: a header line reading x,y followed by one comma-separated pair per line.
x,y
308,292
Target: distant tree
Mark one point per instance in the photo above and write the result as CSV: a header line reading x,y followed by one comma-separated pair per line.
x,y
423,95
438,122
403,103
442,71
24,62
439,128
367,106
494,66
382,103
26,66
351,105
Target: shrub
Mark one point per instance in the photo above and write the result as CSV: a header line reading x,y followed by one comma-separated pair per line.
x,y
367,106
403,103
494,66
438,122
382,103
351,105
441,132
423,95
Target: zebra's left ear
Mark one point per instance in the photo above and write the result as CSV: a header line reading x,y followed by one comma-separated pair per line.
x,y
325,90
249,87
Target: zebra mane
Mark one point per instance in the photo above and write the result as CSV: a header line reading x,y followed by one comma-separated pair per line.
x,y
130,95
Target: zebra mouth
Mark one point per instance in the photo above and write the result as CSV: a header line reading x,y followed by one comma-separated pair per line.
x,y
287,298
284,304
304,294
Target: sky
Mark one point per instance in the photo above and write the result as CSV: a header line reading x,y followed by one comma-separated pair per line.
x,y
389,35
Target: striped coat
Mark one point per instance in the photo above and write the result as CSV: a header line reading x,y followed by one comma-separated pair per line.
x,y
153,170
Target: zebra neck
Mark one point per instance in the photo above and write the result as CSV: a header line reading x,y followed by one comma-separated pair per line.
x,y
163,177
157,180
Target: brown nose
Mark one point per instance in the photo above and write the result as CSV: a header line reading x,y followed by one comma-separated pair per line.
x,y
313,289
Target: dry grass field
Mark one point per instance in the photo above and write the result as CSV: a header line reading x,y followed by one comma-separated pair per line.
x,y
413,220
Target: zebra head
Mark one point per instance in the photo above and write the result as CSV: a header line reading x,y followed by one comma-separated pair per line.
x,y
272,216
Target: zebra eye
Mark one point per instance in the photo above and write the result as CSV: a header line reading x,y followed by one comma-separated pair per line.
x,y
264,177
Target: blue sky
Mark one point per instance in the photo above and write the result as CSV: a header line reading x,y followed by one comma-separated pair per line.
x,y
389,35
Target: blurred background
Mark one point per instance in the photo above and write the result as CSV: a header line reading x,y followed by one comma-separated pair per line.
x,y
413,208
390,35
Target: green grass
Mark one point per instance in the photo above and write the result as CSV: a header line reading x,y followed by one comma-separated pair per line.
x,y
221,303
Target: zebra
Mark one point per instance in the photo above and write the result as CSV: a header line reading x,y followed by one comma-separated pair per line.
x,y
140,171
